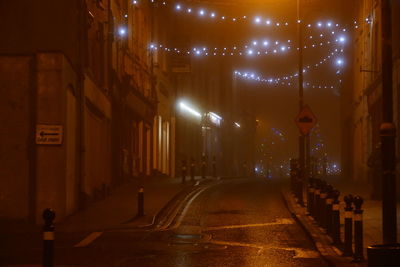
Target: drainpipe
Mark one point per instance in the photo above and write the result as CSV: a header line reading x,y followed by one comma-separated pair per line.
x,y
81,101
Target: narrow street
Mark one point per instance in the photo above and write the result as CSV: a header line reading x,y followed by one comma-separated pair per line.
x,y
199,133
232,222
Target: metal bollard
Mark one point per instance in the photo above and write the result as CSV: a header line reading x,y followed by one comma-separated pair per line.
x,y
348,226
322,207
317,200
140,202
336,218
203,167
299,183
310,196
184,169
192,169
214,167
358,230
48,237
328,210
293,173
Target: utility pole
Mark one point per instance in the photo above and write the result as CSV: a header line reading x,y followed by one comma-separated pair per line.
x,y
388,253
302,172
388,131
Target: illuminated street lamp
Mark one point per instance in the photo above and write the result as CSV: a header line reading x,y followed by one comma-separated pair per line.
x,y
122,31
215,118
187,108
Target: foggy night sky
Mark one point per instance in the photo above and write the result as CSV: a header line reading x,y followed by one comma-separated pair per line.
x,y
278,106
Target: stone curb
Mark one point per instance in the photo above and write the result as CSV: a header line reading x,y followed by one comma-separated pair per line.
x,y
322,242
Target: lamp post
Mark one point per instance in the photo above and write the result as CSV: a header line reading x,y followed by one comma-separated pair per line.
x,y
388,130
302,161
388,253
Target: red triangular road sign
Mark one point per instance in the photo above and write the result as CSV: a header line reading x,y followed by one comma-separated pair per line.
x,y
306,120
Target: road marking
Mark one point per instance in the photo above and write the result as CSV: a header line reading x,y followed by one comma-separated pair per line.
x,y
236,244
298,252
278,222
39,265
181,216
89,239
305,254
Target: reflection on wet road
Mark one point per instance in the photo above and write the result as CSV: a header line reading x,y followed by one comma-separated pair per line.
x,y
240,222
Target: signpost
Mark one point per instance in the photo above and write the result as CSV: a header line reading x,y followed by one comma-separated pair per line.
x,y
306,120
49,134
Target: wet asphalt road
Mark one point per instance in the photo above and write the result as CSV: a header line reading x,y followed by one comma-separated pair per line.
x,y
239,222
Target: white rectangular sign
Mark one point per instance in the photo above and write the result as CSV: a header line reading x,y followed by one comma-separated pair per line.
x,y
49,134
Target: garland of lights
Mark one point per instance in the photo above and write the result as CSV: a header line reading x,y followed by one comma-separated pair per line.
x,y
277,82
284,80
339,63
258,47
258,20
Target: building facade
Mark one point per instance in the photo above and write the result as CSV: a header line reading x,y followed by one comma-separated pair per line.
x,y
81,90
363,108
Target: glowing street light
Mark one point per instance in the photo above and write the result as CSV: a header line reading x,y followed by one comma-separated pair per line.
x,y
215,118
190,110
122,31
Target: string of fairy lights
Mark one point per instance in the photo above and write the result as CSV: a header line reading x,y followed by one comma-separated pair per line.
x,y
257,47
335,55
203,13
320,34
200,12
278,81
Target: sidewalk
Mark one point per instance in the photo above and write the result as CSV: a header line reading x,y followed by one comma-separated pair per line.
x,y
118,210
372,221
372,215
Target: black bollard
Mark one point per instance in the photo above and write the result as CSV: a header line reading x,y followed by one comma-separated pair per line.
x,y
293,174
299,189
336,218
184,169
310,196
312,203
328,211
348,226
48,237
358,230
140,202
322,210
291,181
317,200
203,167
214,167
192,169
